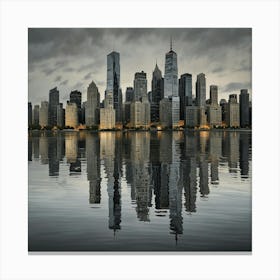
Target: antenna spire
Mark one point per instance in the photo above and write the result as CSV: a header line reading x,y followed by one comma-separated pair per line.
x,y
171,43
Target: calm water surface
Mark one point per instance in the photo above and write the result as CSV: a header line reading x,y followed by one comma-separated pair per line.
x,y
139,191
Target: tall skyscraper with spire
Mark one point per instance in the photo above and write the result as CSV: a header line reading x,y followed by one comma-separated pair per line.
x,y
113,82
171,84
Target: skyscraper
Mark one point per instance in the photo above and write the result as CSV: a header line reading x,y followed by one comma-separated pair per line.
x,y
200,90
157,93
107,114
244,108
60,115
29,113
92,105
171,84
43,114
185,93
233,117
113,82
76,97
129,93
71,115
35,115
53,102
213,95
214,111
140,86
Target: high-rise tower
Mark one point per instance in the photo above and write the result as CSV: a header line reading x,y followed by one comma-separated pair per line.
x,y
53,102
113,82
171,84
92,105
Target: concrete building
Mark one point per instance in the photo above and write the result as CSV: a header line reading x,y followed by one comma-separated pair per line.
x,y
44,114
214,111
223,105
29,113
60,115
157,93
140,113
171,85
107,114
113,82
129,94
35,115
165,112
53,102
185,93
71,115
76,97
92,106
233,116
244,108
191,119
200,90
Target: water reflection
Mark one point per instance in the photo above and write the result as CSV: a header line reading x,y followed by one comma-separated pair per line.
x,y
165,171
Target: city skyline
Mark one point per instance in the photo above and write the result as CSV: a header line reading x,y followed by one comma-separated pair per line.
x,y
71,58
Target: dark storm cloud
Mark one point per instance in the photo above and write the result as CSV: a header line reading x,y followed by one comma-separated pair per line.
x,y
235,86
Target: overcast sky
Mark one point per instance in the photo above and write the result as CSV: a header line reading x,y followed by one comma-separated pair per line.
x,y
71,58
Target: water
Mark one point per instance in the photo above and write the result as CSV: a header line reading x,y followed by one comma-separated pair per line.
x,y
139,191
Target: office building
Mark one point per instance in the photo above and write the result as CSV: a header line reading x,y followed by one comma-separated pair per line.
x,y
185,93
107,114
214,111
113,82
92,106
53,102
129,94
71,115
60,115
165,112
233,116
244,108
29,113
44,114
191,119
157,93
200,90
76,97
35,115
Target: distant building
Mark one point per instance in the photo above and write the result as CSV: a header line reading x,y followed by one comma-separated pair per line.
x,y
214,111
233,117
60,115
44,114
71,115
244,108
29,113
171,85
191,119
113,82
200,90
92,105
223,105
35,115
140,108
185,93
107,114
129,94
165,111
76,97
157,93
53,102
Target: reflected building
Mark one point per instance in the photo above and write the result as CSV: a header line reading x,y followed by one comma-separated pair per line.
x,y
244,146
43,149
215,152
233,152
52,155
93,167
35,147
140,155
203,164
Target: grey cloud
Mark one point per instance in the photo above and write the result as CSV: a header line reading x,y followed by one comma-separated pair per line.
x,y
69,69
48,71
77,86
58,79
218,69
235,86
64,83
87,76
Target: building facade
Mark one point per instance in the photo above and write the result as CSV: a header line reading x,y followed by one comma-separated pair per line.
x,y
71,115
244,108
60,115
29,113
113,82
76,97
92,110
35,115
53,102
214,111
185,93
233,116
43,114
165,112
107,114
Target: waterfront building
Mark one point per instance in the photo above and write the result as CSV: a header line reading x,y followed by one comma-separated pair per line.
x,y
92,106
60,115
53,102
185,93
44,114
76,97
244,108
214,112
157,93
200,90
71,115
233,116
223,105
113,82
35,115
107,114
129,94
191,119
140,107
29,113
165,112
171,85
